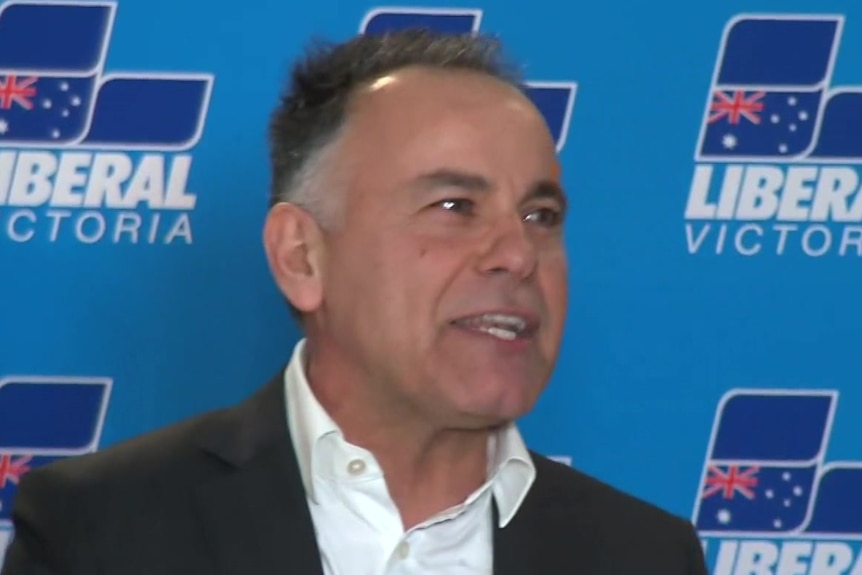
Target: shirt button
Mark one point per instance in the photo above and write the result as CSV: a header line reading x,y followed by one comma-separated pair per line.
x,y
356,467
403,550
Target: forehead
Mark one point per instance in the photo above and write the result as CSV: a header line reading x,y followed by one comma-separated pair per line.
x,y
444,87
419,116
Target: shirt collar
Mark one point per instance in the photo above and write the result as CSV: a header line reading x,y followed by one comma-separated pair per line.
x,y
307,420
511,470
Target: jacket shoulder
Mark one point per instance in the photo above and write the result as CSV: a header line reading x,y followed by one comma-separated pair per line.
x,y
62,508
606,506
173,450
621,533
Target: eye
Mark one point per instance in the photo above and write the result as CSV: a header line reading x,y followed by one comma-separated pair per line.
x,y
547,217
459,206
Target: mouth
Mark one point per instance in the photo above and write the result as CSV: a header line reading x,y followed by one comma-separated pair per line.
x,y
505,326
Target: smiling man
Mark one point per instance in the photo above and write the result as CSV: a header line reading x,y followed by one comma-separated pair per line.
x,y
416,230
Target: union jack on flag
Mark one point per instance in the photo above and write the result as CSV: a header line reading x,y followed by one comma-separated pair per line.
x,y
730,480
14,92
12,468
736,106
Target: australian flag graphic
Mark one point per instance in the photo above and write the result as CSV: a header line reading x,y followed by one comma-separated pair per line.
x,y
765,471
554,100
54,91
43,419
771,97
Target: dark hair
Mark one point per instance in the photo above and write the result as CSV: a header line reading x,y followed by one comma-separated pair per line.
x,y
313,109
311,112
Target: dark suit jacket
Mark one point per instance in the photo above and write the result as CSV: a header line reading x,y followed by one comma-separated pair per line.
x,y
220,494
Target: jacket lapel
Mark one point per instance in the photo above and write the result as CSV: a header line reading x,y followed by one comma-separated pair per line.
x,y
546,536
255,514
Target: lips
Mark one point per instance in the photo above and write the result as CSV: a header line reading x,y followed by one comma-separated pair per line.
x,y
506,326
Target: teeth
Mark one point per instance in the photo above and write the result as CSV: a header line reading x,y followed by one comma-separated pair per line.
x,y
501,333
507,320
500,325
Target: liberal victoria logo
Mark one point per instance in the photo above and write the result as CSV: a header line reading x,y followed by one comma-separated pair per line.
x,y
90,155
777,158
555,100
44,419
770,503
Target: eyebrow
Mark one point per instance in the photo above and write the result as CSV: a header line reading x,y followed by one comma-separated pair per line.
x,y
474,183
453,179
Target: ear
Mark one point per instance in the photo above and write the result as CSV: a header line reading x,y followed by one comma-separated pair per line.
x,y
294,249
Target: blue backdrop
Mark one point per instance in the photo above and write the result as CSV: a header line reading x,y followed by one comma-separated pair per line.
x,y
711,155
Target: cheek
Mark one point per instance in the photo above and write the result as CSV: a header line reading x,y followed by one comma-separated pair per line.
x,y
555,287
396,271
355,276
401,274
425,271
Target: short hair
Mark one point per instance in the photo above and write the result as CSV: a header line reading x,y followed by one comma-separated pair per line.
x,y
313,109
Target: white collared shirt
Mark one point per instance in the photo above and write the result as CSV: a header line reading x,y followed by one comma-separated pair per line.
x,y
358,527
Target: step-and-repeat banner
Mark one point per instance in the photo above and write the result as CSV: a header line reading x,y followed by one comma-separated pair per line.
x,y
711,154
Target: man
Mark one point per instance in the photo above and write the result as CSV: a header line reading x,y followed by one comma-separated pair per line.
x,y
416,230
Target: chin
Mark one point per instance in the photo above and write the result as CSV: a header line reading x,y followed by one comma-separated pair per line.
x,y
499,411
493,398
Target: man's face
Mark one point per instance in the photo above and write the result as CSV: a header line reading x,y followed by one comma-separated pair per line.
x,y
445,284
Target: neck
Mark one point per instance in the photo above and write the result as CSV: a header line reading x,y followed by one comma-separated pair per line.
x,y
428,468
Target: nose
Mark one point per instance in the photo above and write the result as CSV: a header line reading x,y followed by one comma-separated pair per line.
x,y
509,249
